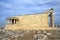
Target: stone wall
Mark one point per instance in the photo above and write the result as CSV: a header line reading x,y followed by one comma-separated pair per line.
x,y
32,21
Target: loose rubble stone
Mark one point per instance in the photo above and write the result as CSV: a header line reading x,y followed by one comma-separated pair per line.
x,y
30,35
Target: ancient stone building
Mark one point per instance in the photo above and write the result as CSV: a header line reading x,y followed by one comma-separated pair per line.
x,y
31,21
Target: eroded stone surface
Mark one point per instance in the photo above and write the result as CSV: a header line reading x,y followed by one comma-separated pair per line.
x,y
31,35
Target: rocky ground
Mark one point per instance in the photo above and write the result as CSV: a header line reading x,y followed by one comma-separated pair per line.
x,y
30,35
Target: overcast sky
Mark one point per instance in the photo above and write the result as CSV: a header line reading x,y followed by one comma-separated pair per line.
x,y
18,7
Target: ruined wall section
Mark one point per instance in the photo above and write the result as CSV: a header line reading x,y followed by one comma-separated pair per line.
x,y
35,21
32,21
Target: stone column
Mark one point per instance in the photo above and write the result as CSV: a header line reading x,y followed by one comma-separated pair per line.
x,y
14,21
51,20
10,21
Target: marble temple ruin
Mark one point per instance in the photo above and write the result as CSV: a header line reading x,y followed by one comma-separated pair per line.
x,y
31,21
